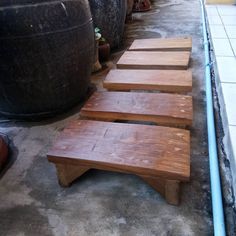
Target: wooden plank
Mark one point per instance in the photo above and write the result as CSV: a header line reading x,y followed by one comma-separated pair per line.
x,y
148,151
162,44
154,60
162,80
161,108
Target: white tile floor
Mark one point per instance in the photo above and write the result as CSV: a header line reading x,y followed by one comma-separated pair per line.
x,y
232,130
228,20
233,44
222,47
229,93
218,32
222,24
227,69
230,31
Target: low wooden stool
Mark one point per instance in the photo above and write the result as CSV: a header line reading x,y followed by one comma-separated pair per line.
x,y
162,44
154,60
176,81
159,155
161,108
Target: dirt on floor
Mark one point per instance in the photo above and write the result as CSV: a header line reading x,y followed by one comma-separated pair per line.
x,y
106,203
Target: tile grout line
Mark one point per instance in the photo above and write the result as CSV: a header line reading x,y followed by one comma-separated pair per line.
x,y
228,82
224,56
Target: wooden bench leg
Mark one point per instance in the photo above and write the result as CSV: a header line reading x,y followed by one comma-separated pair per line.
x,y
172,190
169,189
67,173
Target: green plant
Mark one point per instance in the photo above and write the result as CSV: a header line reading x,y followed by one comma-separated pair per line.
x,y
102,41
99,37
98,34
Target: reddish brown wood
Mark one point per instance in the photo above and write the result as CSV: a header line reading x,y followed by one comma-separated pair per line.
x,y
68,173
162,44
169,189
162,80
172,188
161,108
154,60
157,154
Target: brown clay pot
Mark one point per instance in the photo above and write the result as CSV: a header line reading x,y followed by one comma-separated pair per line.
x,y
3,152
104,52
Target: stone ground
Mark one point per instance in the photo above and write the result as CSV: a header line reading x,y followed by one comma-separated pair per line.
x,y
105,203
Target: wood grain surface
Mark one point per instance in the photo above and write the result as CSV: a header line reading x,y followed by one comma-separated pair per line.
x,y
161,80
154,60
161,108
147,151
162,44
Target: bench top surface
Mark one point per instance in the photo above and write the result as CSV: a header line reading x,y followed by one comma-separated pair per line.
x,y
127,105
167,44
154,60
139,149
163,80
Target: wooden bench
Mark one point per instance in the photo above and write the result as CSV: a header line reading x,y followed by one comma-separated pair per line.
x,y
178,81
154,60
162,44
159,155
161,108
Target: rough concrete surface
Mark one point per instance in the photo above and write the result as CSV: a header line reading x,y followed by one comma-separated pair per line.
x,y
224,150
105,203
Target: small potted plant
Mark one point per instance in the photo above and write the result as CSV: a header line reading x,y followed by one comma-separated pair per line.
x,y
104,49
96,66
103,46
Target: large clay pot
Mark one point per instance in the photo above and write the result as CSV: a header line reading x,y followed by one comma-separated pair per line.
x,y
109,16
46,55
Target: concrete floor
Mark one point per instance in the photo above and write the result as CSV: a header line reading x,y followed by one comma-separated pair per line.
x,y
105,203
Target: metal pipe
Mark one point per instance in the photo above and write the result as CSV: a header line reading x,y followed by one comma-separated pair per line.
x,y
216,194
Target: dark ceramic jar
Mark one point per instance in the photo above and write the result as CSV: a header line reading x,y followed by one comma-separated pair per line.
x,y
109,17
46,55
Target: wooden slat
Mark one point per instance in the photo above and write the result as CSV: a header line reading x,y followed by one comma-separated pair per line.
x,y
162,44
154,60
148,151
162,80
162,108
